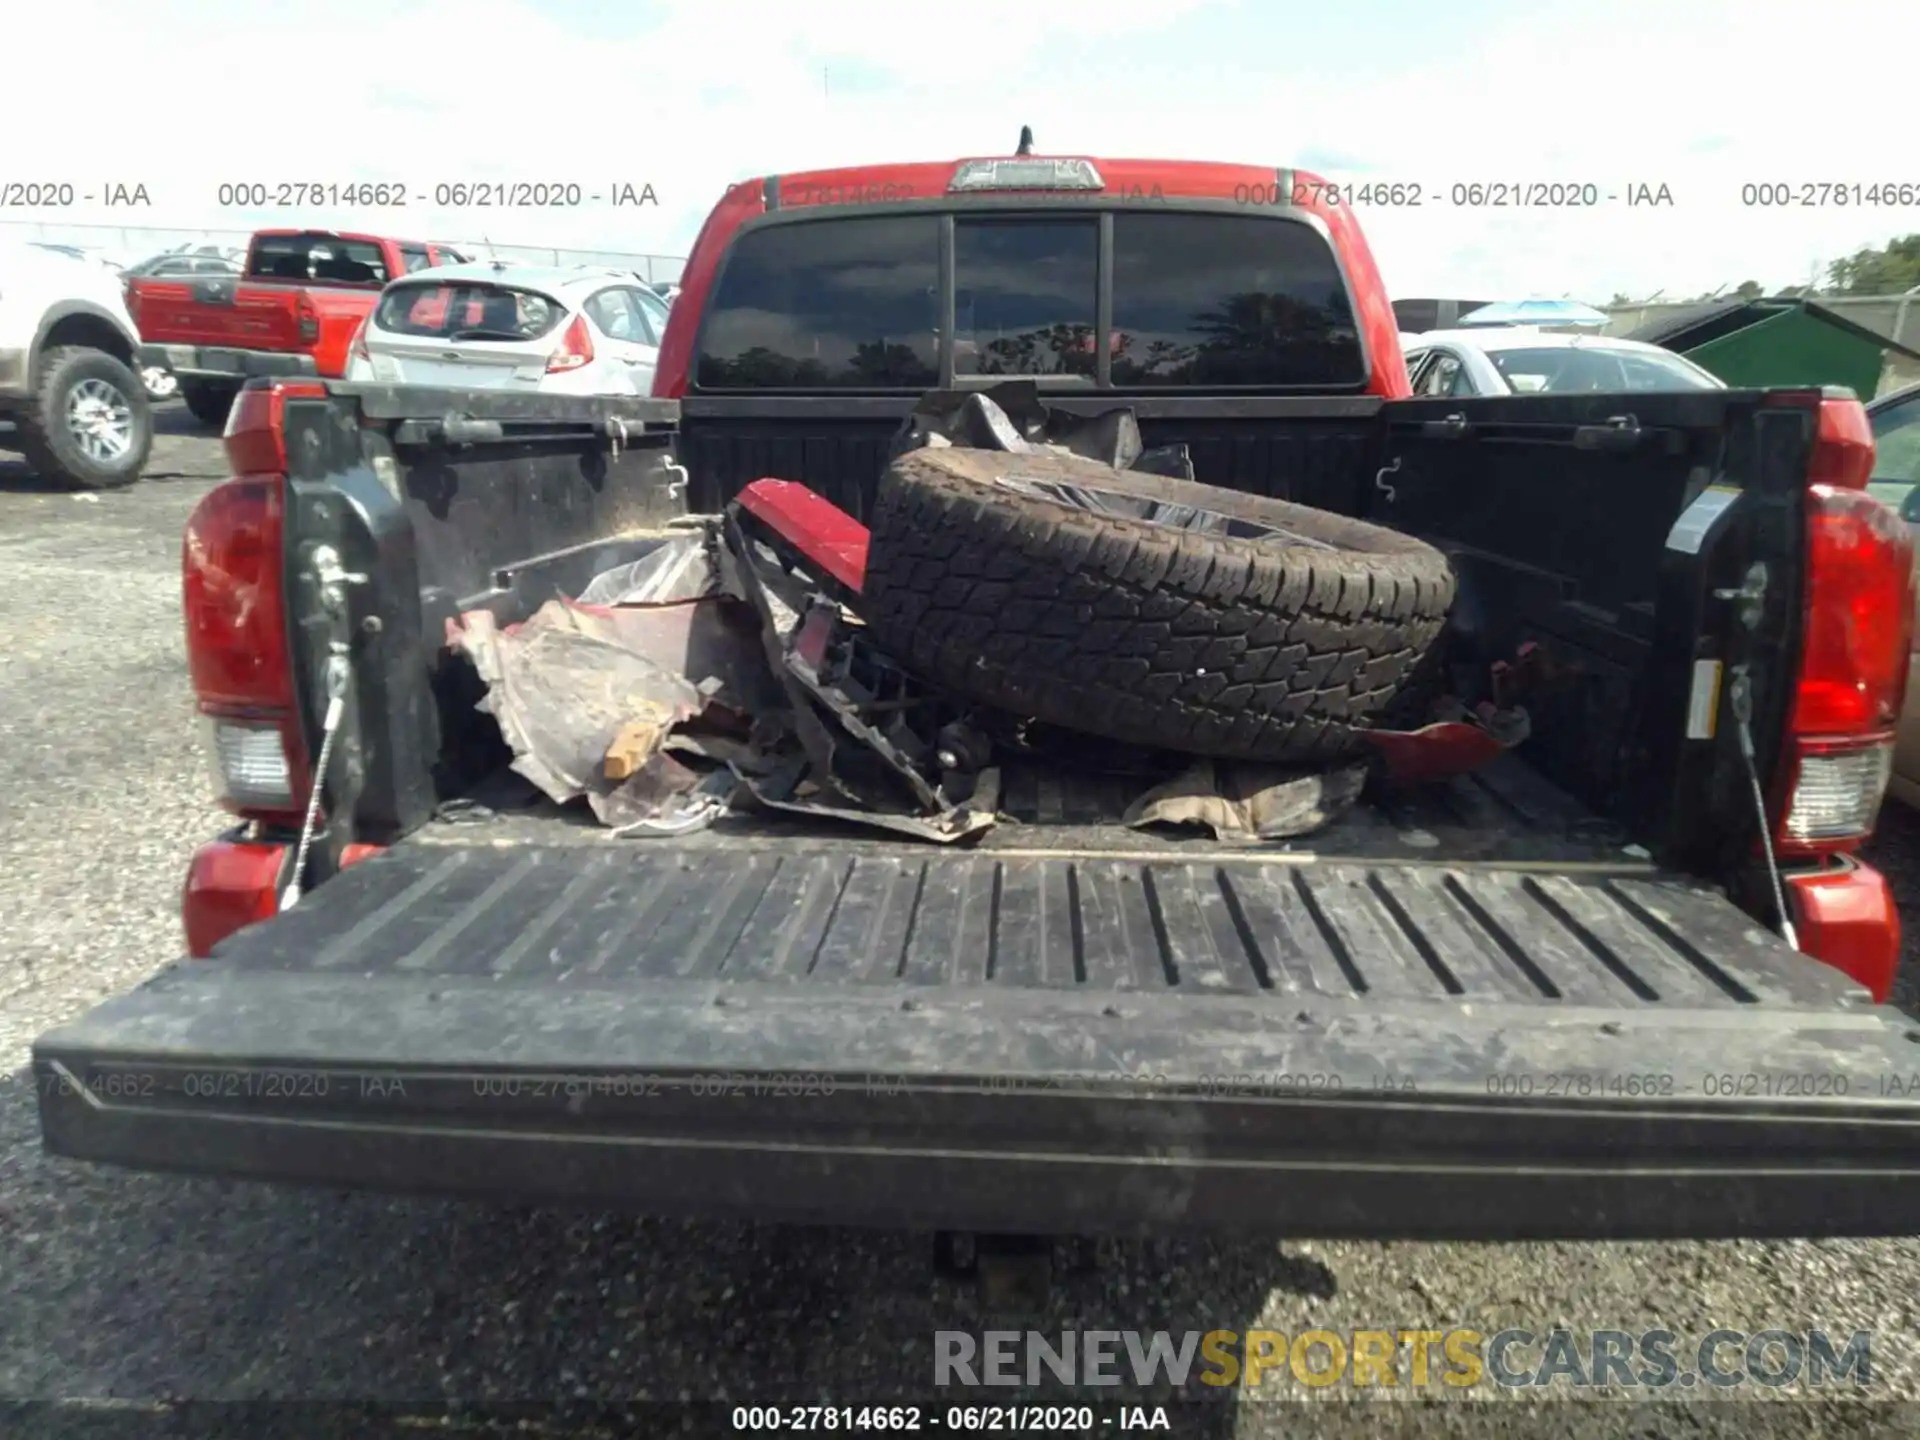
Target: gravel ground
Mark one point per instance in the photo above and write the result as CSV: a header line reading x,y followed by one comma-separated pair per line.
x,y
145,1288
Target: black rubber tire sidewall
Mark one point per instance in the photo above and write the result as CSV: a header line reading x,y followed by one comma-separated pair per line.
x,y
1246,648
210,404
49,447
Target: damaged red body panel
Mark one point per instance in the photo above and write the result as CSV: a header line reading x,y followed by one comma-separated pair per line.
x,y
231,884
1847,919
823,533
1434,752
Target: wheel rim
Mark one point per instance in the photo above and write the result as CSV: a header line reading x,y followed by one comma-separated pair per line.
x,y
158,381
100,420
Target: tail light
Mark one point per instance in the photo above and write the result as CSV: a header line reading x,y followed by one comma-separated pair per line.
x,y
1855,648
309,322
1842,445
576,348
358,349
239,651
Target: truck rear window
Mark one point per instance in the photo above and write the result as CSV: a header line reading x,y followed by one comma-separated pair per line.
x,y
469,311
324,258
1199,300
841,304
1025,294
1205,300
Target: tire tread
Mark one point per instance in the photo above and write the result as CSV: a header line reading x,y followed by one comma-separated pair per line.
x,y
1147,634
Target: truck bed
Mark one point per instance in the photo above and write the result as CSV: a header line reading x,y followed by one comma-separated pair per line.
x,y
1495,888
1479,1013
1504,813
1071,1027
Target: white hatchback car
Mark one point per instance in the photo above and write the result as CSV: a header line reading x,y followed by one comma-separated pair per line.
x,y
1525,361
492,325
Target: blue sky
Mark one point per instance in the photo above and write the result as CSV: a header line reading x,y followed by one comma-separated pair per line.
x,y
688,95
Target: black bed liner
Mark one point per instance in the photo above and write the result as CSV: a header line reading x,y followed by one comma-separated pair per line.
x,y
1504,813
1028,1037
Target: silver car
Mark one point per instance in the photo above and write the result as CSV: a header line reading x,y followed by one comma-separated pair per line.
x,y
1524,361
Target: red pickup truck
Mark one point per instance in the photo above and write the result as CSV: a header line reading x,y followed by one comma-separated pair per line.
x,y
1620,983
293,311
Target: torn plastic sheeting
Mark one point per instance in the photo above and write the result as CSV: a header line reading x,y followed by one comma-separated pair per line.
x,y
561,693
1012,418
680,569
685,814
1249,803
649,794
714,639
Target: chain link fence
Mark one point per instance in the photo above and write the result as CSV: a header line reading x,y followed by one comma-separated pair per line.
x,y
130,244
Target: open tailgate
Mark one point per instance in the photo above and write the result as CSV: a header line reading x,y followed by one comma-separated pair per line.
x,y
217,310
1022,1041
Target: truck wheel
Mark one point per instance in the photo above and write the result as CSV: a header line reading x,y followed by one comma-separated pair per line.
x,y
89,424
208,404
1149,610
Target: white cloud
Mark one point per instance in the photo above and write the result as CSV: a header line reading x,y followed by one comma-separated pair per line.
x,y
691,95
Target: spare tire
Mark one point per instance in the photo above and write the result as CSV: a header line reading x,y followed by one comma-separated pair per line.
x,y
1148,610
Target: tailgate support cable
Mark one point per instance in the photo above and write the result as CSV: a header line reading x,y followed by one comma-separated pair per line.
x,y
332,580
338,674
1741,698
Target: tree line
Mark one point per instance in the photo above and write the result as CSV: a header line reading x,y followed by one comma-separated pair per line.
x,y
1891,269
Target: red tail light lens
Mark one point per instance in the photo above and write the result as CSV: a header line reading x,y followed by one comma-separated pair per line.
x,y
1842,436
236,623
239,652
1842,446
358,349
576,348
255,441
1859,614
1855,651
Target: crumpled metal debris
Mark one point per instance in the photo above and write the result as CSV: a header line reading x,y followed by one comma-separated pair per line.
x,y
1012,417
786,792
712,671
1246,804
662,713
847,709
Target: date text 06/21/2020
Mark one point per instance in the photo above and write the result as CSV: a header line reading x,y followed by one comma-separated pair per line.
x,y
441,195
959,1419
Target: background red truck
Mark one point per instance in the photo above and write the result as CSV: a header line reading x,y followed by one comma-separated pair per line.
x,y
292,312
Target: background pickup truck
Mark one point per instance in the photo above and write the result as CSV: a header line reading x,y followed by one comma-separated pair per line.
x,y
1550,999
292,311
